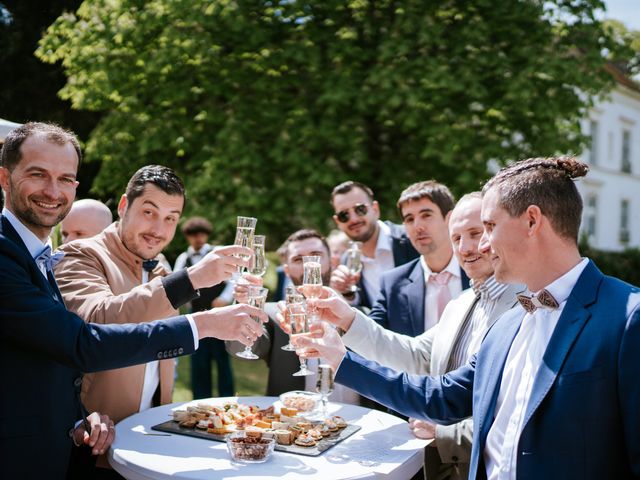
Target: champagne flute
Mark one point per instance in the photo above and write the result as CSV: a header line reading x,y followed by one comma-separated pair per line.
x,y
312,281
244,237
258,264
291,296
257,297
354,261
324,385
299,325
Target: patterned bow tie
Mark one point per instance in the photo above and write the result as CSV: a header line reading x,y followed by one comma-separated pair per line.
x,y
48,259
543,300
149,265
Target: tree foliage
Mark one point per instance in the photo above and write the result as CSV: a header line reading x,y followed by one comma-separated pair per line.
x,y
263,106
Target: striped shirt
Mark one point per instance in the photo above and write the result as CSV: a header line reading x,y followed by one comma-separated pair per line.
x,y
487,295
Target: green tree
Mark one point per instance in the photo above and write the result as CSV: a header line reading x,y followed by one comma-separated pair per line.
x,y
263,106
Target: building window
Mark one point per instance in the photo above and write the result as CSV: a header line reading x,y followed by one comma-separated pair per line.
x,y
624,222
591,217
593,151
626,151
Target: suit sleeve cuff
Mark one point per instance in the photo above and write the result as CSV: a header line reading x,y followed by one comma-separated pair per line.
x,y
194,330
178,288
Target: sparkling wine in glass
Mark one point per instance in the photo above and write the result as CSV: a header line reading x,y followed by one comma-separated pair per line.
x,y
299,325
312,280
354,261
257,298
291,295
258,265
244,237
324,385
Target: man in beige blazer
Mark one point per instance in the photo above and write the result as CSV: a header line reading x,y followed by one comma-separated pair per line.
x,y
447,345
113,277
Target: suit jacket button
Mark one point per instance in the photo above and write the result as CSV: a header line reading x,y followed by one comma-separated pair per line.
x,y
159,355
180,351
77,382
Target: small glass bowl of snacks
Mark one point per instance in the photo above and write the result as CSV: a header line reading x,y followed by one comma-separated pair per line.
x,y
303,402
250,447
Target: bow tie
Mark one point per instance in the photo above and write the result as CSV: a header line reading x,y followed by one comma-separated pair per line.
x,y
149,265
542,300
48,259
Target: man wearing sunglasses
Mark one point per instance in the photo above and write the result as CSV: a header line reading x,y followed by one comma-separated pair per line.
x,y
385,245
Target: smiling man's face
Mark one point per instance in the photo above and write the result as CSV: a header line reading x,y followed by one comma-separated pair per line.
x,y
149,223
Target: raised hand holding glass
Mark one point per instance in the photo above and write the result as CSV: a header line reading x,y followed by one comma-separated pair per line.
x,y
257,298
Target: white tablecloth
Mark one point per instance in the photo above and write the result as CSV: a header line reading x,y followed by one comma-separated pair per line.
x,y
383,448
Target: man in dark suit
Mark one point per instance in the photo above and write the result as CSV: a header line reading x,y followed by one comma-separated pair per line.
x,y
384,244
43,346
554,389
412,297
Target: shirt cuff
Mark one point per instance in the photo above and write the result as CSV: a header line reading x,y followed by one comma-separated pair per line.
x,y
178,288
194,330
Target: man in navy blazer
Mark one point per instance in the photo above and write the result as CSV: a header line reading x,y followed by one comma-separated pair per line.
x,y
407,302
554,389
44,347
384,244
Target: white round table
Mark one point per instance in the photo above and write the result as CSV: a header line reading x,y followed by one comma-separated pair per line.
x,y
383,449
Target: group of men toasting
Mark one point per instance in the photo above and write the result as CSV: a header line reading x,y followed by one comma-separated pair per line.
x,y
479,320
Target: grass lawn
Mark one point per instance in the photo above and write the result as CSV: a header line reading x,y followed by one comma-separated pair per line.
x,y
250,378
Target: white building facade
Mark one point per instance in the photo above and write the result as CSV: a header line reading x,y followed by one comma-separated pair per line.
x,y
611,190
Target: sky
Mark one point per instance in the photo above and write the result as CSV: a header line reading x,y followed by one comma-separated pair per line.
x,y
627,11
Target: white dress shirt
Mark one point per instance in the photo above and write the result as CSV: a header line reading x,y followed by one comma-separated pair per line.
x,y
151,372
430,299
382,261
521,367
31,241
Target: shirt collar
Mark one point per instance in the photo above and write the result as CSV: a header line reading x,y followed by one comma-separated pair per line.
x,y
384,237
561,287
206,248
31,241
453,268
490,288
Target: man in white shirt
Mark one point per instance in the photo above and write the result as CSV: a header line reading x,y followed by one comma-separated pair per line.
x,y
384,244
554,389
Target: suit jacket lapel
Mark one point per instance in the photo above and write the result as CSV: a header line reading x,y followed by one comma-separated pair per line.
x,y
570,324
416,292
489,395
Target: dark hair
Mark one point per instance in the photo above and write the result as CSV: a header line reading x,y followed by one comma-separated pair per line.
x,y
305,234
547,183
346,187
53,133
195,225
434,191
162,177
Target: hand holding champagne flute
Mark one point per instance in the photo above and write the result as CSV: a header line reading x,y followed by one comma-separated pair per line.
x,y
312,281
257,298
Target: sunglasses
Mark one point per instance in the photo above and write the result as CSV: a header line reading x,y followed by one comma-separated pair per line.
x,y
361,210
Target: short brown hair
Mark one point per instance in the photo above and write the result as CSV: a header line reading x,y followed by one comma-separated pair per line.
x,y
162,177
547,183
346,187
304,234
11,154
434,191
195,225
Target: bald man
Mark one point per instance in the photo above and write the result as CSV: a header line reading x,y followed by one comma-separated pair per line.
x,y
87,218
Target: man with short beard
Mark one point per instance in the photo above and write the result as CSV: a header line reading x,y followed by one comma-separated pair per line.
x,y
115,277
384,244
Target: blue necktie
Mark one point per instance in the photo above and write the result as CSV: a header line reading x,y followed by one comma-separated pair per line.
x,y
149,265
48,259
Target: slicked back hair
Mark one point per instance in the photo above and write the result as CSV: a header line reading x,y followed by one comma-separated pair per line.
x,y
346,187
162,177
547,183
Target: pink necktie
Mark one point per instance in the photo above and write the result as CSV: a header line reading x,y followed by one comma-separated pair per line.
x,y
440,281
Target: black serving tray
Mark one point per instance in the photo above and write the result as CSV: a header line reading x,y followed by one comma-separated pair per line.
x,y
325,444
